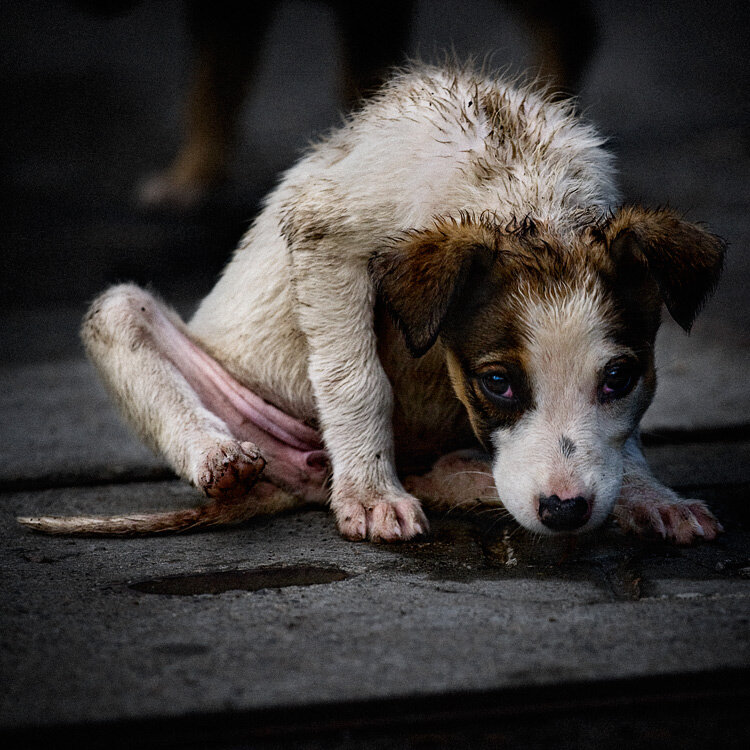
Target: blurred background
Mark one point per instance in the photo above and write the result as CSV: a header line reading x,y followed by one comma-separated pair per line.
x,y
99,99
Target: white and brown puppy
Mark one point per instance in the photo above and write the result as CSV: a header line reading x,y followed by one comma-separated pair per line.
x,y
444,278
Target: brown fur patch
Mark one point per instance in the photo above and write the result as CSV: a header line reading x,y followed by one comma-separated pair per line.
x,y
485,413
684,260
466,280
428,420
423,272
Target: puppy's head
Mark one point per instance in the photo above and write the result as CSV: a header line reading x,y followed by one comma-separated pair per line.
x,y
549,341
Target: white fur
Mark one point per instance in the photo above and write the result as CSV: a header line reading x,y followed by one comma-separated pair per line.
x,y
567,345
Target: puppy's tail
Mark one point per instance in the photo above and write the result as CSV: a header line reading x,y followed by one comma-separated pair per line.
x,y
265,499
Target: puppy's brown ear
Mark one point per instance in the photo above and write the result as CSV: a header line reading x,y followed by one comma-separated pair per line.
x,y
422,274
684,260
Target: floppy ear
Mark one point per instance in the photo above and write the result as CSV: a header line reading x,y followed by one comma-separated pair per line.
x,y
684,260
423,273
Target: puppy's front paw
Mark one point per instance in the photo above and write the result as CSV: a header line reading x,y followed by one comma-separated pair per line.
x,y
672,518
229,470
379,518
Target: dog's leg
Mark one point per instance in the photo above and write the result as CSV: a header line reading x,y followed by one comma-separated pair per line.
x,y
213,431
135,343
461,480
226,49
353,394
647,508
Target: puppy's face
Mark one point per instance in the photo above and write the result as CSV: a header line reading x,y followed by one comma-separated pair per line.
x,y
553,395
550,343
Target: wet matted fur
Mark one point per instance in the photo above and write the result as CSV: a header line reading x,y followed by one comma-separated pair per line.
x,y
441,301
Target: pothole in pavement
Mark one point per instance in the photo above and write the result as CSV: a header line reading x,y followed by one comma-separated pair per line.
x,y
254,579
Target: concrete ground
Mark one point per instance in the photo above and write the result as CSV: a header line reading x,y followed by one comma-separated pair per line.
x,y
279,633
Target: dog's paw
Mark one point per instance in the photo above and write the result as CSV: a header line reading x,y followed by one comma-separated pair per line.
x,y
680,521
230,469
388,518
460,480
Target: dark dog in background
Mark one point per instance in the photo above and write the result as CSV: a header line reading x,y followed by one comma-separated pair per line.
x,y
227,41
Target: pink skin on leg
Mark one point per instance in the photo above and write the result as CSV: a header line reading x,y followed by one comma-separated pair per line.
x,y
295,459
226,457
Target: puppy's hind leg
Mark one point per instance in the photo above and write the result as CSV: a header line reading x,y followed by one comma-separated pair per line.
x,y
141,352
461,481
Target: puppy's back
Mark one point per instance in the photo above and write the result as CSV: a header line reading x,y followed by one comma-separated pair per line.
x,y
433,142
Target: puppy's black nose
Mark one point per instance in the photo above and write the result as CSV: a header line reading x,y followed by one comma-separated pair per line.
x,y
564,515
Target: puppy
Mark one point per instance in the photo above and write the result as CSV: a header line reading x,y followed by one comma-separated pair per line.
x,y
442,282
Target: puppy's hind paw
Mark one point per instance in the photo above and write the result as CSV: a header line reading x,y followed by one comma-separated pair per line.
x,y
230,469
680,521
386,519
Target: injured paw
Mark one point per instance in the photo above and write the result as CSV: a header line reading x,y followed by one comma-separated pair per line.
x,y
394,518
673,518
230,469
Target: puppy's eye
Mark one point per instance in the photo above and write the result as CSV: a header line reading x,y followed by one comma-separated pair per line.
x,y
618,379
496,385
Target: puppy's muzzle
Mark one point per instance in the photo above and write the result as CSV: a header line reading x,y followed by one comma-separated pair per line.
x,y
564,515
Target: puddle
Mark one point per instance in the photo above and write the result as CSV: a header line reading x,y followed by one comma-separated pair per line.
x,y
255,579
